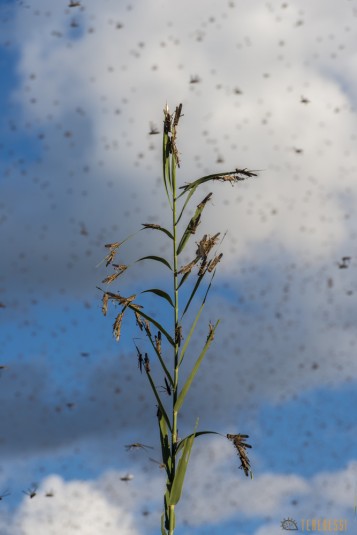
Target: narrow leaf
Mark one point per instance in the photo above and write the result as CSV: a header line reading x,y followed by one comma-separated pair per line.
x,y
230,176
177,484
192,191
158,227
193,224
195,289
183,441
193,326
160,293
163,530
164,439
198,282
157,259
156,323
161,407
190,378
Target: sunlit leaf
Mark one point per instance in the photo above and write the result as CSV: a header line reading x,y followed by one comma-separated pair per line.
x,y
176,489
193,224
183,441
160,293
158,227
192,375
157,259
161,407
156,323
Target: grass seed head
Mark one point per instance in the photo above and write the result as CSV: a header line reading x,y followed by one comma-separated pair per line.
x,y
241,446
117,325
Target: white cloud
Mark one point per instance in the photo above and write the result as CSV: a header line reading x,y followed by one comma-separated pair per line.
x,y
211,496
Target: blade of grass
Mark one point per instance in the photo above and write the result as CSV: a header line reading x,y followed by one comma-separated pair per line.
x,y
161,407
237,176
190,378
192,191
157,259
154,322
157,227
193,224
160,293
182,442
200,277
177,485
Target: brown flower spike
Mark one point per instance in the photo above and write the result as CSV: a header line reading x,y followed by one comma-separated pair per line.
x,y
241,445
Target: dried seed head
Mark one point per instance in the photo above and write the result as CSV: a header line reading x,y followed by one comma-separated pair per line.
x,y
150,225
147,327
188,267
206,244
105,303
138,320
212,263
241,445
113,251
117,325
158,342
178,114
205,201
110,278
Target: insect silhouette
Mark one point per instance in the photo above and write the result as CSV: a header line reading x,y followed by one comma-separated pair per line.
x,y
136,446
167,387
127,477
74,4
153,130
246,172
147,363
241,445
4,494
31,492
158,342
140,358
195,79
161,465
344,262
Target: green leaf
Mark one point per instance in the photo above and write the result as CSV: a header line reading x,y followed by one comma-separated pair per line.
x,y
188,338
177,484
194,323
160,293
165,446
193,224
166,164
157,227
163,530
198,282
154,322
192,191
200,277
161,407
237,176
182,442
190,378
157,259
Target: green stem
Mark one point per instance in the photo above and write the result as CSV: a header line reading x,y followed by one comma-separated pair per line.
x,y
176,346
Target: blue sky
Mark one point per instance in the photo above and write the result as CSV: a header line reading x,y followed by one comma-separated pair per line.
x,y
276,92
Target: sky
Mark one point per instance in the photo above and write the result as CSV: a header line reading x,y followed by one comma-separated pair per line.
x,y
268,86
